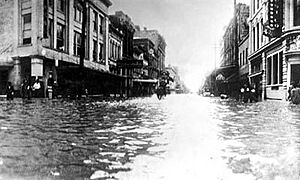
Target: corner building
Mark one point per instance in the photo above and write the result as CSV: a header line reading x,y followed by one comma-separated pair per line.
x,y
38,37
274,46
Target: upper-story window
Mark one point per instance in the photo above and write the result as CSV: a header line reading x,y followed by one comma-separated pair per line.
x,y
76,43
61,5
78,13
95,21
51,3
101,19
26,28
60,40
296,12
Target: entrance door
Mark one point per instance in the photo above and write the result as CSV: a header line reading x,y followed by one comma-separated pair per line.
x,y
295,73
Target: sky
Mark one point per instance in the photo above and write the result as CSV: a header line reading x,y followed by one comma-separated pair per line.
x,y
193,31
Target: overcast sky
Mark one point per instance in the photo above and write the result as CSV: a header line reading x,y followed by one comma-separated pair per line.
x,y
192,29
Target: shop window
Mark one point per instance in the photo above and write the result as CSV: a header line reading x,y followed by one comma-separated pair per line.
x,y
269,70
275,69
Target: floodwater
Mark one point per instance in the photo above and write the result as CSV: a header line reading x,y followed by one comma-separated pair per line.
x,y
179,137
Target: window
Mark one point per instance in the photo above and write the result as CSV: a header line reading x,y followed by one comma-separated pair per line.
x,y
275,69
77,43
269,70
51,3
94,50
253,43
101,52
78,13
95,21
101,24
60,40
257,36
61,5
296,12
280,68
50,32
246,55
26,28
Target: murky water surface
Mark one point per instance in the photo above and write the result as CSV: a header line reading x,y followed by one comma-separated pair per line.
x,y
180,137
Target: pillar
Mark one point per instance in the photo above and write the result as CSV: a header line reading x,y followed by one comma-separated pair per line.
x,y
15,75
287,14
37,67
291,13
264,77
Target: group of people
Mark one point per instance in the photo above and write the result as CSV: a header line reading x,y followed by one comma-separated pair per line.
x,y
249,93
28,89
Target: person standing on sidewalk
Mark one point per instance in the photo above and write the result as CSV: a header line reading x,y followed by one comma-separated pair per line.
x,y
295,94
9,91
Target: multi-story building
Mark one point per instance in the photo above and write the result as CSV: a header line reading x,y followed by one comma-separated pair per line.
x,y
41,37
227,76
127,64
274,46
157,58
243,61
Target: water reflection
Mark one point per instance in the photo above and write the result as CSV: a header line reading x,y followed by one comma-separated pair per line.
x,y
180,137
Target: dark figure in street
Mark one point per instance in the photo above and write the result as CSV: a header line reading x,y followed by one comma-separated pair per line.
x,y
36,88
245,93
253,94
50,88
295,94
9,91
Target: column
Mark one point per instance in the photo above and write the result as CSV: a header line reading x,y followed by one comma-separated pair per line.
x,y
264,82
106,42
15,75
36,67
291,13
287,14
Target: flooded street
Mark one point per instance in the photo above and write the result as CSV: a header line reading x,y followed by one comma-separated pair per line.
x,y
179,137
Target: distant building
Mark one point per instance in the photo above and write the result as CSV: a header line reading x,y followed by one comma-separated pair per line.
x,y
157,62
127,65
227,78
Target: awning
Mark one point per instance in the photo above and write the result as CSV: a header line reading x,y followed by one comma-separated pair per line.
x,y
145,80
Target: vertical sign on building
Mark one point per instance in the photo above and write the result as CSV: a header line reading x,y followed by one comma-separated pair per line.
x,y
273,27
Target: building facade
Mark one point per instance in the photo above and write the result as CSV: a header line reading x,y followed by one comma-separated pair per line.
x,y
41,37
157,58
243,61
227,77
274,51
